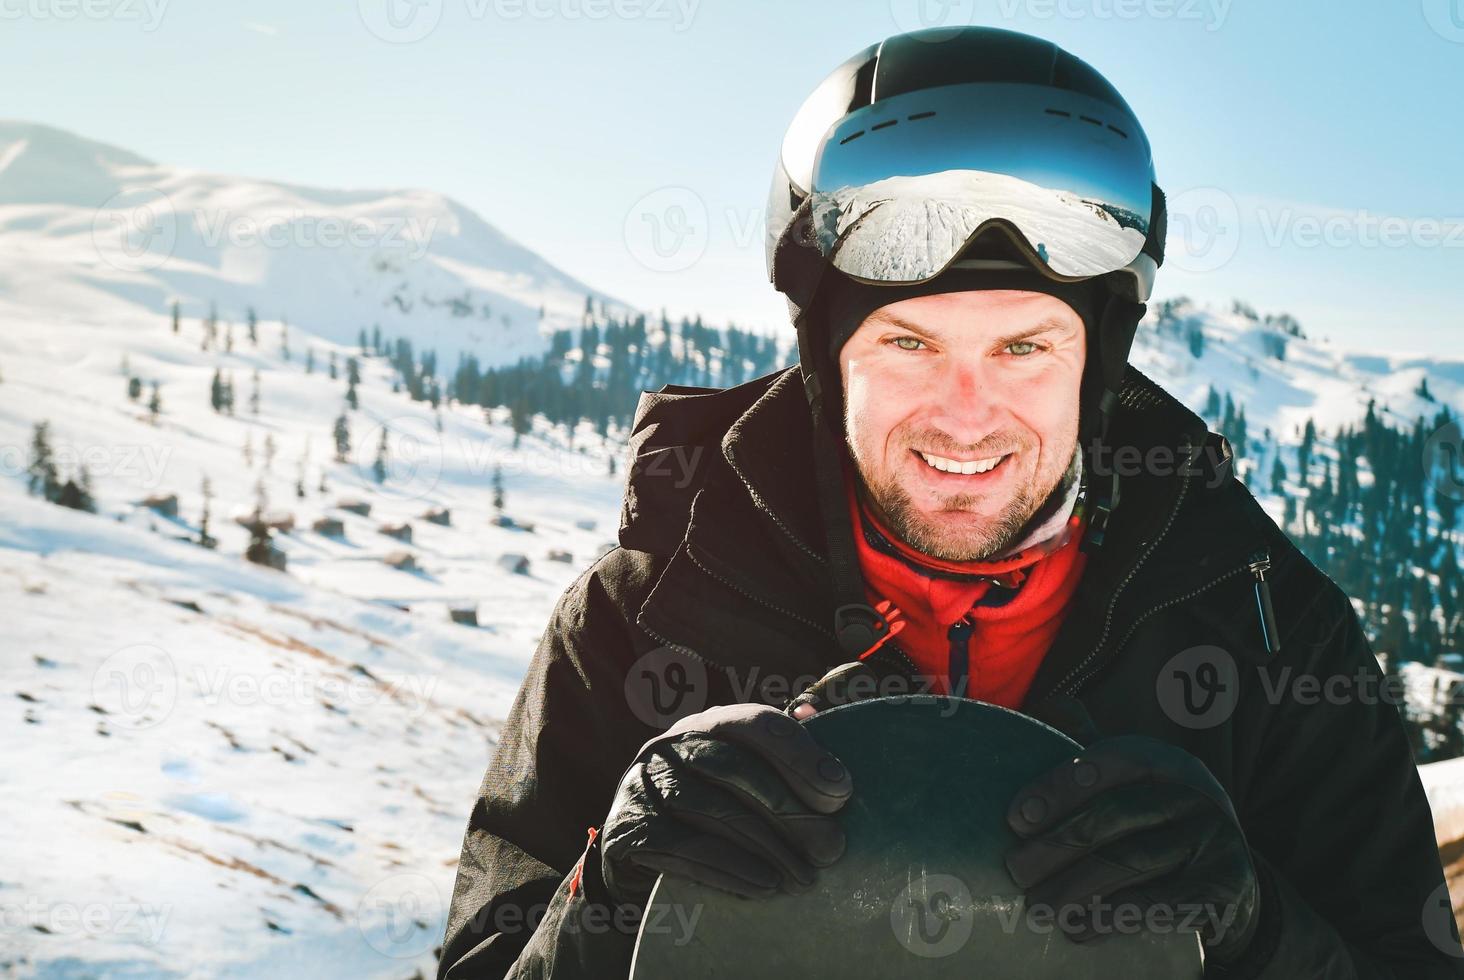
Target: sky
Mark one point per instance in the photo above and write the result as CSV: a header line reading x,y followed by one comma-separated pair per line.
x,y
1310,150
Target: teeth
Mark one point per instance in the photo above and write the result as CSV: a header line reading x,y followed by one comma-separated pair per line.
x,y
966,467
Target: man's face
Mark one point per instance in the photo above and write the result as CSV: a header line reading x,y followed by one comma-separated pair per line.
x,y
982,380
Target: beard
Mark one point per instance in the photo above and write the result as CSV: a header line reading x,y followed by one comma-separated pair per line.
x,y
940,540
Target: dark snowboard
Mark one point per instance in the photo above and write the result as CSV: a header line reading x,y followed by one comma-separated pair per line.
x,y
921,889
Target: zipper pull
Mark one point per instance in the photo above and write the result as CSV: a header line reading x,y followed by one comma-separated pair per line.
x,y
1260,564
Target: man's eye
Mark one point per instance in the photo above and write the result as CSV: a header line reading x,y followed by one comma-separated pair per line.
x,y
1021,348
909,343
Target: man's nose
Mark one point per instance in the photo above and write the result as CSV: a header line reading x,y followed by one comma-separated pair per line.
x,y
970,398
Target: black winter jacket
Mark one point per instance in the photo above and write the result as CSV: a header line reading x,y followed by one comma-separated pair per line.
x,y
721,568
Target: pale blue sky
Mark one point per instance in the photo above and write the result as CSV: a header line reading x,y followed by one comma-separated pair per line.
x,y
1284,132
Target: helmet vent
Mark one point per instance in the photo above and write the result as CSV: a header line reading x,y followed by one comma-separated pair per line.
x,y
1087,119
885,125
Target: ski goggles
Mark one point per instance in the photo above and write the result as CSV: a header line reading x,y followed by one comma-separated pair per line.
x,y
901,186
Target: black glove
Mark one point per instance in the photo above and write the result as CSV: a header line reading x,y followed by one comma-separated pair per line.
x,y
1134,822
736,797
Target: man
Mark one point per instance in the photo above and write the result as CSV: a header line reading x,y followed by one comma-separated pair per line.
x,y
965,487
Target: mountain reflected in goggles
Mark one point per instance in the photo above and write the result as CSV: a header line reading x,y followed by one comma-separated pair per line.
x,y
907,229
900,186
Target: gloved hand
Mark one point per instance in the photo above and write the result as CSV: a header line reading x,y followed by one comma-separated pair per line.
x,y
737,797
1134,821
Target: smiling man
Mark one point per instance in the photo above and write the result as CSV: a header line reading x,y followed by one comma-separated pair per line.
x,y
966,226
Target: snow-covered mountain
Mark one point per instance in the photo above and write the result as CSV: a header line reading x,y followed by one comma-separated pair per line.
x,y
84,225
223,770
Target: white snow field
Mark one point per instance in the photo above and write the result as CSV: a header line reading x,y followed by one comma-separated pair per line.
x,y
217,769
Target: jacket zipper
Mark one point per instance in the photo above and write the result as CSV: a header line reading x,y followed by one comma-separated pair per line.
x,y
1259,565
1073,675
959,669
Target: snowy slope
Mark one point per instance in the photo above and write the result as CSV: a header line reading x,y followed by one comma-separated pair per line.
x,y
83,224
223,770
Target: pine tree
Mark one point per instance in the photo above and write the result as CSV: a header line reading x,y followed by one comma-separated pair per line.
x,y
284,340
332,366
134,388
310,360
177,316
216,392
155,403
204,538
1304,451
269,450
498,489
252,321
254,394
378,466
1278,474
341,433
41,476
